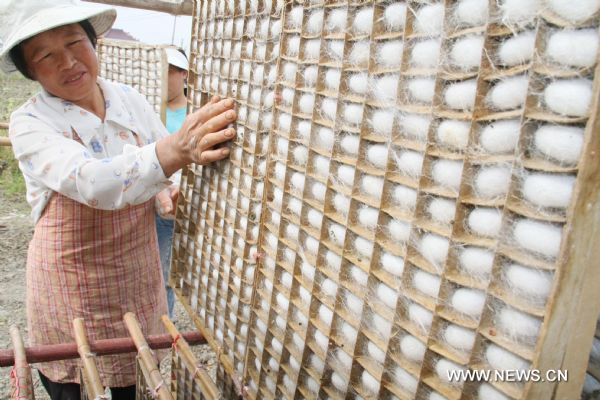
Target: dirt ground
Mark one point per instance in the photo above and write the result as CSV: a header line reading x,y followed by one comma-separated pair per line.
x,y
15,233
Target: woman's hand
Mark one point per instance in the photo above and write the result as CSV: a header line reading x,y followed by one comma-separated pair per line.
x,y
165,202
196,140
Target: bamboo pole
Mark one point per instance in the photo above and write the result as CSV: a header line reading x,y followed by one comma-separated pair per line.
x,y
209,389
183,7
94,386
146,358
22,372
3,125
4,141
104,347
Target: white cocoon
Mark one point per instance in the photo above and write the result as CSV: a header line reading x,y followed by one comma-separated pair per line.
x,y
539,237
346,174
429,19
392,264
485,221
341,204
508,94
359,83
275,28
318,191
443,370
447,173
277,346
500,136
453,133
548,190
412,348
488,392
311,245
503,360
386,88
434,249
519,12
460,338
359,55
466,52
367,217
336,50
561,143
350,144
293,46
377,155
306,103
300,154
570,97
344,359
427,283
363,21
311,49
405,380
394,16
289,71
577,48
268,100
314,218
390,54
517,50
308,272
279,171
353,113
468,301
375,352
333,261
471,12
492,182
574,11
425,54
369,383
372,185
410,162
382,121
529,282
310,76
321,165
282,147
404,196
399,230
314,24
442,210
382,325
461,95
337,233
420,316
476,261
415,126
329,287
355,305
294,206
328,108
325,314
294,17
387,295
291,232
359,276
336,20
422,89
287,96
332,79
304,130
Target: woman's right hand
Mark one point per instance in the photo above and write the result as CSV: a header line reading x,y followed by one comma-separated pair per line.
x,y
196,140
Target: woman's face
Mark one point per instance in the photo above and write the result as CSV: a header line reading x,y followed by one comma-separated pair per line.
x,y
63,61
176,82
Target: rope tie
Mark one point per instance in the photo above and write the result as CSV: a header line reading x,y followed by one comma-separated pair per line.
x,y
156,389
175,340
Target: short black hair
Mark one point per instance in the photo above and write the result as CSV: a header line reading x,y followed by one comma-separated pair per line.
x,y
18,59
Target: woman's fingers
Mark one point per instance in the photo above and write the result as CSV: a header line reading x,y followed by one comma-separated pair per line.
x,y
215,124
209,156
212,109
212,139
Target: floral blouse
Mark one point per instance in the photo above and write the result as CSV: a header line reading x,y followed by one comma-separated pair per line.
x,y
106,164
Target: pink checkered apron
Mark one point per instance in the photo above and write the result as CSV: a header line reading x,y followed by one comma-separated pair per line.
x,y
97,265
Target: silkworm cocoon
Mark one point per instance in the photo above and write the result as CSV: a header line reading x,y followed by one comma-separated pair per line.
x,y
404,196
561,143
488,392
337,234
420,316
422,89
377,155
405,380
282,302
359,55
389,54
394,16
359,83
285,122
294,206
310,76
345,174
306,103
294,17
476,261
425,54
277,346
314,24
332,79
311,49
275,28
369,383
341,203
304,129
538,237
300,154
289,73
375,352
468,301
503,360
318,191
492,182
272,240
574,11
529,282
392,264
382,121
570,97
336,20
412,348
399,230
282,147
429,19
350,144
354,304
279,171
344,359
336,49
261,326
349,333
415,126
287,96
517,50
509,93
278,193
359,276
548,190
280,322
466,52
325,315
427,283
339,382
409,162
294,364
517,324
255,96
447,173
272,74
293,46
519,12
387,295
353,113
471,12
372,185
363,246
263,30
363,21
461,95
328,108
333,261
453,133
292,231
577,48
321,340
386,88
485,221
314,218
444,368
304,295
500,136
460,338
308,272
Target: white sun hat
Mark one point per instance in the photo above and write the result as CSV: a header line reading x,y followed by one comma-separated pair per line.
x,y
176,58
23,19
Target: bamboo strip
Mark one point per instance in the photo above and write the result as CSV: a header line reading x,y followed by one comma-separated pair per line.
x,y
147,358
22,370
94,386
4,141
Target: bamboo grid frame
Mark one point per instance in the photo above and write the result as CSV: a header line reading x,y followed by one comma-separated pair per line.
x,y
142,66
245,295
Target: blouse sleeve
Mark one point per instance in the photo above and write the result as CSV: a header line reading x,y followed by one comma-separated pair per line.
x,y
67,167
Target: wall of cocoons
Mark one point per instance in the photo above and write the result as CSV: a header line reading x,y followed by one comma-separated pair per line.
x,y
402,209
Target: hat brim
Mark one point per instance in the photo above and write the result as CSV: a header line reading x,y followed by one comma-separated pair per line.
x,y
101,18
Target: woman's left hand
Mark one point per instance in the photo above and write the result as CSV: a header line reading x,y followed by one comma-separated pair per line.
x,y
166,200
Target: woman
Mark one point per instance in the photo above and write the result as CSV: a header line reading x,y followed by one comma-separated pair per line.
x,y
94,156
176,112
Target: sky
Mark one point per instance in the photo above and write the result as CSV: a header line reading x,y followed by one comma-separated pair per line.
x,y
155,27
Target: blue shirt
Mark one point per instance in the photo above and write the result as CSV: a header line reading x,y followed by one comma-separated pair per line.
x,y
175,119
